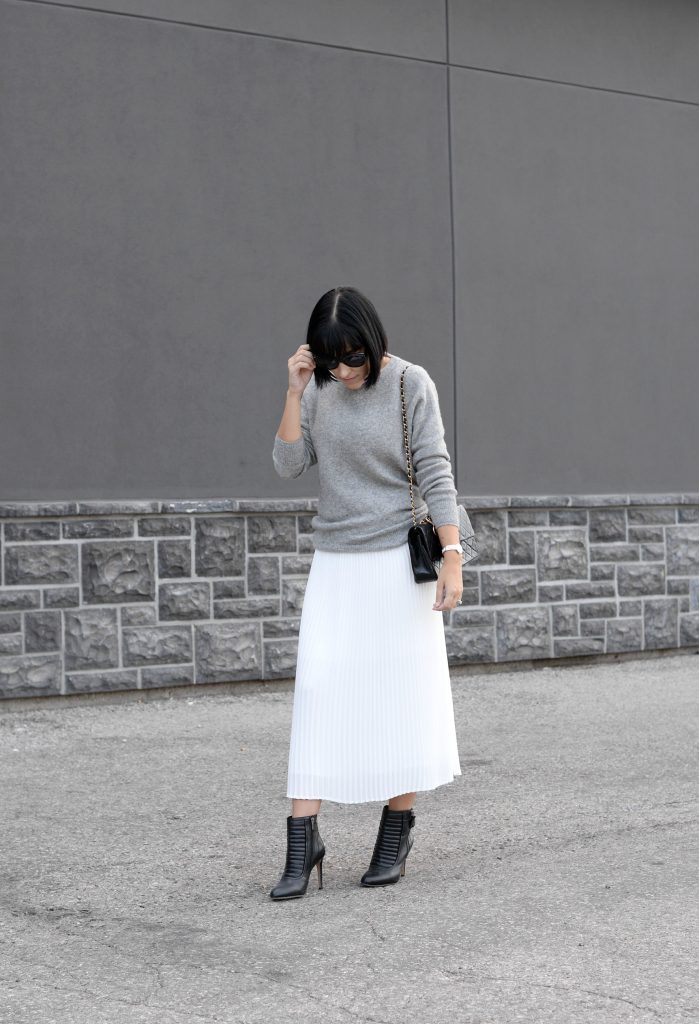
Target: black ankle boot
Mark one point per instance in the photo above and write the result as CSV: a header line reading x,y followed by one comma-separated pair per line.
x,y
304,850
391,848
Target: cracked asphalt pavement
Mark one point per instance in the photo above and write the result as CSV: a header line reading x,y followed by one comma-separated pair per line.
x,y
556,880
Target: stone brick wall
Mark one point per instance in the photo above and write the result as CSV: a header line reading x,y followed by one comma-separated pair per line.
x,y
133,595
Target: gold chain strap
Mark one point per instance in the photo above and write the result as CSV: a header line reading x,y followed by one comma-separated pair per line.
x,y
406,443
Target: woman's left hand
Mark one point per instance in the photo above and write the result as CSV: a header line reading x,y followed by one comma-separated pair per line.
x,y
450,583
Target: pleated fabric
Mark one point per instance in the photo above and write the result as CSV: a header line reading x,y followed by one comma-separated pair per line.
x,y
373,715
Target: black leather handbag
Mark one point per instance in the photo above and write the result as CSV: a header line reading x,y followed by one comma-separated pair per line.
x,y
423,540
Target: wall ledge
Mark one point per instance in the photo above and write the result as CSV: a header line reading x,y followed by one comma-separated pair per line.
x,y
207,506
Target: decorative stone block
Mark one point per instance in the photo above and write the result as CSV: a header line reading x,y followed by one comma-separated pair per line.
x,y
592,627
90,638
138,615
694,594
527,517
47,530
472,644
96,682
10,643
550,592
597,609
166,675
10,622
521,544
246,608
614,553
507,586
682,550
652,552
602,571
30,675
646,534
607,524
689,629
115,571
263,574
164,526
677,585
660,623
590,588
42,631
148,645
226,651
306,543
561,554
280,659
638,580
624,634
280,627
466,617
567,517
564,620
185,600
271,533
630,608
73,528
174,558
571,646
293,591
219,548
491,534
651,516
40,563
229,588
296,565
61,597
522,633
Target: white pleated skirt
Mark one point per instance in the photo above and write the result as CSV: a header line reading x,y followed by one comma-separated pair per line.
x,y
373,715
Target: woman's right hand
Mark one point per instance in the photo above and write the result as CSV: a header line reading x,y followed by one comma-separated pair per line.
x,y
301,366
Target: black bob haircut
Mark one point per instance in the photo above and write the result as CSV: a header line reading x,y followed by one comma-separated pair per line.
x,y
343,320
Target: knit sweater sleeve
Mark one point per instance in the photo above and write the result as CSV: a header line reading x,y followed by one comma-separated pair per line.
x,y
292,458
431,462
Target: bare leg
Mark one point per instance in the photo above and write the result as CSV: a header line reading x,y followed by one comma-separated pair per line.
x,y
300,808
401,803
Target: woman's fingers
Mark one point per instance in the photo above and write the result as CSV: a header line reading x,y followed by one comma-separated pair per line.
x,y
445,599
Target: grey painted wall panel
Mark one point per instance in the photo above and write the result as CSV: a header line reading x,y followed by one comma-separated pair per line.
x,y
182,197
181,200
411,28
634,45
577,247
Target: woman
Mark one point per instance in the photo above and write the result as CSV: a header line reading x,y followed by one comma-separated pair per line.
x,y
373,716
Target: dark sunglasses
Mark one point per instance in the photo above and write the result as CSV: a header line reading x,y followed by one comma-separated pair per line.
x,y
351,359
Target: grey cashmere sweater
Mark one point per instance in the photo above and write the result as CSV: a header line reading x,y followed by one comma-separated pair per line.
x,y
356,439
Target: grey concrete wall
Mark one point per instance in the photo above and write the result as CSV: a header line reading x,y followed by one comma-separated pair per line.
x,y
514,193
